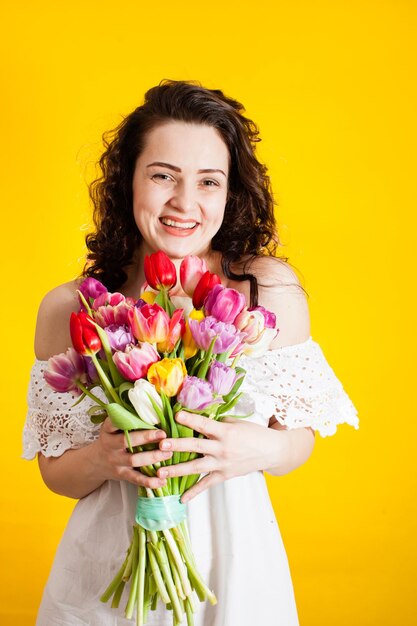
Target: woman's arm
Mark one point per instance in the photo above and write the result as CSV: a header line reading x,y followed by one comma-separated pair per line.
x,y
78,472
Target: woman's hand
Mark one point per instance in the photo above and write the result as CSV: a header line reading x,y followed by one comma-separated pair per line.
x,y
233,447
115,462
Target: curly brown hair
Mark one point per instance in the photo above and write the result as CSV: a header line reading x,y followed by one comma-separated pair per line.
x,y
248,229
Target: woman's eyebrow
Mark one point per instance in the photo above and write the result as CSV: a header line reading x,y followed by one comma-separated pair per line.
x,y
178,169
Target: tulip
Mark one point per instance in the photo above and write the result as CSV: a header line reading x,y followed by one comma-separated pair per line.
x,y
139,397
83,334
221,377
204,286
112,308
224,304
270,318
227,336
135,363
250,322
188,343
261,345
119,337
149,323
175,330
91,289
160,271
148,297
64,370
196,394
167,375
192,269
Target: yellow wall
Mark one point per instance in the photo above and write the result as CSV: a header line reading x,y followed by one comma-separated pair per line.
x,y
331,85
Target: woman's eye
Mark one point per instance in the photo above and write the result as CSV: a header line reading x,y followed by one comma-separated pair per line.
x,y
210,183
162,176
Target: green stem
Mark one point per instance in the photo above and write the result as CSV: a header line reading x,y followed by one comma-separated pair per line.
x,y
159,581
134,581
114,583
89,394
141,578
103,377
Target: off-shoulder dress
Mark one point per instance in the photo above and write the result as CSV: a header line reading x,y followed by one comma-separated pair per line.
x,y
233,529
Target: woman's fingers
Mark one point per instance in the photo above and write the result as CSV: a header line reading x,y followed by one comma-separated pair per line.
x,y
203,484
139,479
146,458
191,444
204,425
198,466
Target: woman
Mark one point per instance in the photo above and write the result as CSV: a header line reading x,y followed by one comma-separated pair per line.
x,y
180,174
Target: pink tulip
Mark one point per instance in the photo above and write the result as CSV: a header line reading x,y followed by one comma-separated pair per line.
x,y
192,269
112,308
64,370
224,304
149,323
134,363
176,328
250,322
269,317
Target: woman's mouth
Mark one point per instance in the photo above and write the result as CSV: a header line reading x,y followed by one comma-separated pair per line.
x,y
178,226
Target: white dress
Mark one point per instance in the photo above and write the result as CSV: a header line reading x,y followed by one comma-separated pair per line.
x,y
234,533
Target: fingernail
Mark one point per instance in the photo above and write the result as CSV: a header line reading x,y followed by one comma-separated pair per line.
x,y
166,445
163,473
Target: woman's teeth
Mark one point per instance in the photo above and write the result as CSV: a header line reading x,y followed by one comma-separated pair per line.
x,y
186,225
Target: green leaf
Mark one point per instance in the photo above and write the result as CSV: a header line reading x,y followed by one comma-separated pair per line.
x,y
241,373
224,408
125,420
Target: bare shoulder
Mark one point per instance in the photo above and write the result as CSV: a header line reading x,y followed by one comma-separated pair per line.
x,y
52,326
280,291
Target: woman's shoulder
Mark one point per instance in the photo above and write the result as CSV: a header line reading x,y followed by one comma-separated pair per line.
x,y
270,271
52,326
280,291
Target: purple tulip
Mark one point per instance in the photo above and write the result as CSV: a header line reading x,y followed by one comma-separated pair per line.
x,y
91,288
195,394
228,337
119,337
221,377
64,370
92,375
270,319
224,304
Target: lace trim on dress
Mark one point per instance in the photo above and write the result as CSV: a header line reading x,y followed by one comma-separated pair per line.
x,y
296,385
52,424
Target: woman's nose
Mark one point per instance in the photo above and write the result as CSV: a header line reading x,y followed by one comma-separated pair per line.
x,y
184,197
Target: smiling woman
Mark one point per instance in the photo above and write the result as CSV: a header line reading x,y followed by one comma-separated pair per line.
x,y
180,175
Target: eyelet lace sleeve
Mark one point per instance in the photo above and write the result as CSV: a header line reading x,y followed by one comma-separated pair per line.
x,y
296,385
52,426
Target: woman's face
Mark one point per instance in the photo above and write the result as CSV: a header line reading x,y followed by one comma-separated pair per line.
x,y
180,188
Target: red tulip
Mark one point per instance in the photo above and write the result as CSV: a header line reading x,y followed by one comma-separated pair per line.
x,y
204,286
160,271
83,334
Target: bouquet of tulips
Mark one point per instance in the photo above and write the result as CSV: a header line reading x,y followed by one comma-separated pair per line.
x,y
153,360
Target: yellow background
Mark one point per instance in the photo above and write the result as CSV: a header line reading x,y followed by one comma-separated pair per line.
x,y
332,86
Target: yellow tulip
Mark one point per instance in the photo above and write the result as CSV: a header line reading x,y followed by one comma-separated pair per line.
x,y
167,375
190,347
148,296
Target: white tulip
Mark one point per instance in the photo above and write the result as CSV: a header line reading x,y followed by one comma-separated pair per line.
x,y
138,395
259,347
